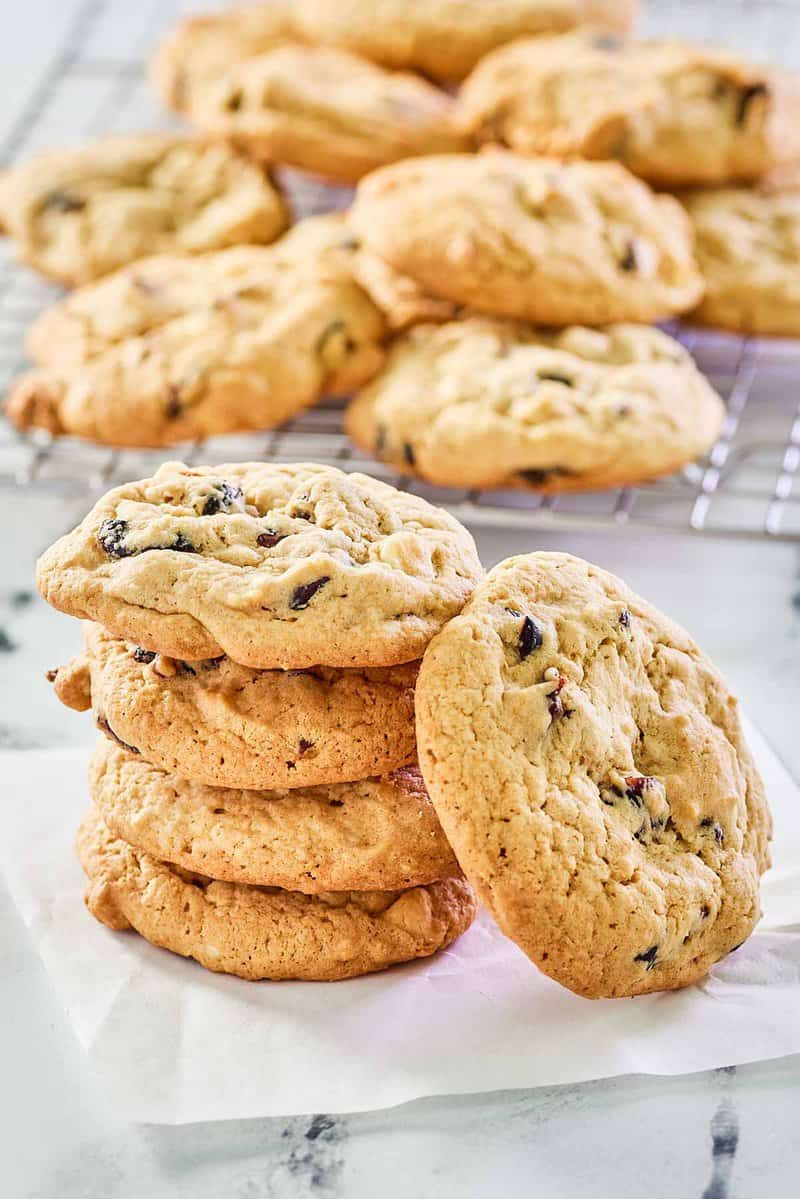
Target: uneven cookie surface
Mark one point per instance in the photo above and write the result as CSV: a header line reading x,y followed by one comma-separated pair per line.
x,y
670,111
326,111
277,566
445,38
539,240
175,348
80,213
482,403
263,932
588,766
376,834
227,725
747,242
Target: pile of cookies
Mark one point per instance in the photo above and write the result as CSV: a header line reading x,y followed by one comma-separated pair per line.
x,y
253,635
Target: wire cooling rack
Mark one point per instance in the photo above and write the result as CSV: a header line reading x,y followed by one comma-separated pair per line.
x,y
96,84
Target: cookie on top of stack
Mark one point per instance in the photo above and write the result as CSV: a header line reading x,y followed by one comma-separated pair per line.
x,y
252,640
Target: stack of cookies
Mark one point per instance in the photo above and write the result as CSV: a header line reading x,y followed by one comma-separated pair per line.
x,y
252,641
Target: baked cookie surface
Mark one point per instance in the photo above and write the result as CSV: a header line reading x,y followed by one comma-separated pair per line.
x,y
482,403
587,763
80,213
445,38
276,566
747,243
227,725
670,111
326,111
171,348
376,834
264,932
531,238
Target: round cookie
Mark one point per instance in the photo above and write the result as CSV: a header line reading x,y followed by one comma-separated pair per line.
x,y
747,242
80,213
227,725
326,111
445,38
588,766
264,932
276,566
482,403
549,242
376,834
672,112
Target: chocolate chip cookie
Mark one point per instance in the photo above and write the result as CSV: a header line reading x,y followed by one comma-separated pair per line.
x,y
587,763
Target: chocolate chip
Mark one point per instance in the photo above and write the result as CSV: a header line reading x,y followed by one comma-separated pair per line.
x,y
746,97
224,498
234,101
705,912
304,746
112,538
106,728
556,706
408,453
636,784
530,637
269,538
546,376
60,200
182,544
625,618
213,663
648,957
538,477
629,261
51,675
303,595
173,407
709,823
502,852
143,655
335,803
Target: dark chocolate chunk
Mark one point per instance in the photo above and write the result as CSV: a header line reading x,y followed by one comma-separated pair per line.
x,y
303,595
112,538
143,655
173,405
408,453
106,728
625,618
269,538
530,637
226,497
648,957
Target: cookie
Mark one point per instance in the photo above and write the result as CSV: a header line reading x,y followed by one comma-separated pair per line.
x,y
264,932
670,111
588,766
445,38
482,403
377,834
227,725
80,213
172,349
276,566
326,111
535,239
747,242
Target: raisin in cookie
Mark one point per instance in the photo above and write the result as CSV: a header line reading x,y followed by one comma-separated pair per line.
x,y
227,725
483,403
747,242
671,112
78,214
544,241
173,348
445,38
264,932
587,763
377,834
277,566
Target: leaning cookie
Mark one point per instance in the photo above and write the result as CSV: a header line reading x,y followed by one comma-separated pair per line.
x,y
747,242
536,239
175,348
326,111
227,725
264,932
279,567
376,834
482,403
80,213
589,769
670,111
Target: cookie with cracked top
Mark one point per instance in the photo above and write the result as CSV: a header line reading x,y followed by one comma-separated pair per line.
x,y
276,566
265,932
588,766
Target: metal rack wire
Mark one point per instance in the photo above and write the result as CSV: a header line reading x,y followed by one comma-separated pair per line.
x,y
96,83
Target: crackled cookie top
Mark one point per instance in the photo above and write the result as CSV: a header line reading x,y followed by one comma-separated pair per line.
x,y
226,725
326,111
482,403
588,767
747,242
80,213
276,566
264,932
672,112
445,38
376,834
176,348
540,240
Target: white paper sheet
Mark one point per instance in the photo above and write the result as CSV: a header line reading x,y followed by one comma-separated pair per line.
x,y
176,1044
